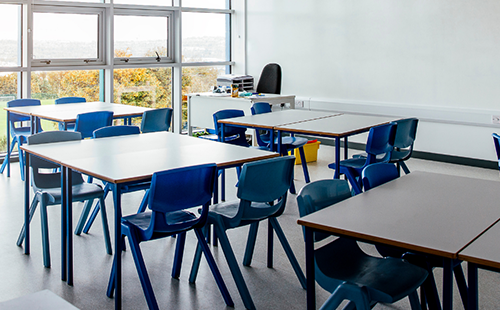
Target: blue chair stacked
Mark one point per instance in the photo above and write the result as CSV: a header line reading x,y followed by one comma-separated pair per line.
x,y
47,188
172,193
378,149
111,131
379,173
87,123
156,120
344,270
287,143
262,193
64,100
18,131
406,133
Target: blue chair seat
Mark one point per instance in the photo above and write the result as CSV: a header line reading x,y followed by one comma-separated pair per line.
x,y
81,192
143,220
228,210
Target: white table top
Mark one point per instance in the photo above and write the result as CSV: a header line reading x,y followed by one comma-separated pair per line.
x,y
278,118
136,157
484,250
69,111
426,212
341,125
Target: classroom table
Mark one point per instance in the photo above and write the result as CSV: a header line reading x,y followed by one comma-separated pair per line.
x,y
482,253
122,161
423,212
341,126
67,113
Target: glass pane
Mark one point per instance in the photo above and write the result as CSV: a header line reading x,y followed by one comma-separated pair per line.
x,y
140,36
197,80
209,4
145,2
145,87
58,35
9,35
93,1
8,91
204,37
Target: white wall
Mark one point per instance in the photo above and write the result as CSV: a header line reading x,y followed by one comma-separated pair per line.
x,y
438,60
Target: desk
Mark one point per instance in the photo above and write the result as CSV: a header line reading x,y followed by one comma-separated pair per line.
x,y
482,253
342,126
112,160
202,106
424,212
66,113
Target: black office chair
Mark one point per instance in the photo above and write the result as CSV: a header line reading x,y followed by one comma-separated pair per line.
x,y
270,80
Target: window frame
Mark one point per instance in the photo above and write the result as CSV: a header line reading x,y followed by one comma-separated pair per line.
x,y
83,10
143,60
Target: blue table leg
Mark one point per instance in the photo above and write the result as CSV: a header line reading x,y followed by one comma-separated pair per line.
x,y
69,222
118,245
64,218
447,284
346,147
310,277
8,145
271,136
472,291
337,158
27,207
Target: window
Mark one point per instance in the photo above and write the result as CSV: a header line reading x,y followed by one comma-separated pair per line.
x,y
209,4
8,92
50,85
9,35
205,37
64,36
143,37
145,2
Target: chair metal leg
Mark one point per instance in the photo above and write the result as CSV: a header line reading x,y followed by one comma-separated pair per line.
x,y
414,302
288,250
6,160
22,233
405,167
461,283
144,202
235,270
197,257
179,253
213,267
304,164
83,216
252,236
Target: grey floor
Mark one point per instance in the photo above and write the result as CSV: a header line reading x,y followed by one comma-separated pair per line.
x,y
276,288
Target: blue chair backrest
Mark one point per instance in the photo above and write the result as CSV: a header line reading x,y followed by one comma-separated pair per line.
x,y
86,123
228,130
380,141
320,194
260,107
48,180
406,132
496,142
179,189
156,120
21,103
63,100
112,131
377,174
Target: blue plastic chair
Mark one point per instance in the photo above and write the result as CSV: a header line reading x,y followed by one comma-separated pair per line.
x,y
18,131
86,123
64,100
379,173
496,142
47,188
257,201
378,149
172,193
287,143
232,135
156,120
344,270
111,131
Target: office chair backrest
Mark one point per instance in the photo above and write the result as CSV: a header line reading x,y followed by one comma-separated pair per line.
x,y
320,194
270,80
377,174
406,132
380,141
156,120
112,131
86,123
64,100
